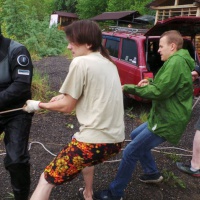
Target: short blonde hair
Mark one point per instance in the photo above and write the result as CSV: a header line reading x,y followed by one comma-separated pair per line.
x,y
175,37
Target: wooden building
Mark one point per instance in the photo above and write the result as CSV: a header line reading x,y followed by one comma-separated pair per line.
x,y
62,18
170,8
118,17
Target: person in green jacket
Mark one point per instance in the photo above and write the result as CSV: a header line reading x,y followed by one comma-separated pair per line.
x,y
171,93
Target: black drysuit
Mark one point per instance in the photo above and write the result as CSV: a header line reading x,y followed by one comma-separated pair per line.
x,y
16,72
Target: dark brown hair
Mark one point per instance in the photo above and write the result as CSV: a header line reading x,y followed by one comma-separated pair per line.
x,y
86,32
175,37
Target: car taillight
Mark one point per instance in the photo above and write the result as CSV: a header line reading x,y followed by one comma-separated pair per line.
x,y
147,75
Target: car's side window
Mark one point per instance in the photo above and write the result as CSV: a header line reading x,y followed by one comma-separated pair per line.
x,y
112,45
129,51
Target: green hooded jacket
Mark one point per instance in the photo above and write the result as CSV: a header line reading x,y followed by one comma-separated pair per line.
x,y
171,93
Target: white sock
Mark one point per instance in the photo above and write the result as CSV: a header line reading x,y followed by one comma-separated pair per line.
x,y
193,169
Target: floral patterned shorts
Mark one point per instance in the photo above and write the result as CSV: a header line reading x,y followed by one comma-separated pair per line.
x,y
75,157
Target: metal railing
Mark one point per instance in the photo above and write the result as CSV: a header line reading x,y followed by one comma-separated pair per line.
x,y
127,30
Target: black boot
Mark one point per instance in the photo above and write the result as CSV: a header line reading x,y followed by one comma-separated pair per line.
x,y
20,180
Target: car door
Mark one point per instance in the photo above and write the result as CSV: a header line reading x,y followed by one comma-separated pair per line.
x,y
128,62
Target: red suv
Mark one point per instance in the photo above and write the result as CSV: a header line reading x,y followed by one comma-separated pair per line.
x,y
135,50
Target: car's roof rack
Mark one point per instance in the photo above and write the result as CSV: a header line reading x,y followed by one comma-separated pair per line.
x,y
128,30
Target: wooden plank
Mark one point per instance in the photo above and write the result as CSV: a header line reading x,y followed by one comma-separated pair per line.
x,y
172,7
156,18
198,12
176,2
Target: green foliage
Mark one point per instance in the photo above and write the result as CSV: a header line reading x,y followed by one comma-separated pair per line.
x,y
143,116
40,87
2,136
132,116
45,41
90,8
42,8
60,4
65,5
14,17
129,113
24,26
10,196
71,6
118,5
174,157
173,180
140,6
71,126
68,54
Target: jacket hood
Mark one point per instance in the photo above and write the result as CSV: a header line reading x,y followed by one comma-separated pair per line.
x,y
186,56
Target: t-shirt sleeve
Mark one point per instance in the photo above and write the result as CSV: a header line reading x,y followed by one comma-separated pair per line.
x,y
74,82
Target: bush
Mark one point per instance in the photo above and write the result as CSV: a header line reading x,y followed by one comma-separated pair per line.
x,y
45,41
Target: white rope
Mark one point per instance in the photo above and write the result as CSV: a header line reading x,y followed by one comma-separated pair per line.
x,y
195,102
118,160
35,142
12,110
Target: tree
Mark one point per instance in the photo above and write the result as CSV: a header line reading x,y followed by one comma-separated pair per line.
x,y
26,27
140,6
71,6
42,8
118,5
15,18
60,4
90,8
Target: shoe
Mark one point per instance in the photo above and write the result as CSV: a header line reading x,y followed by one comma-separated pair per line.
x,y
186,169
151,178
106,195
80,194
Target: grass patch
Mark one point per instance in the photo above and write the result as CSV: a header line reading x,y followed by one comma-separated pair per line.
x,y
2,136
68,54
174,157
143,116
40,87
173,180
10,196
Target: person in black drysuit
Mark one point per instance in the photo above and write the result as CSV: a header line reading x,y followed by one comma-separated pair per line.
x,y
16,72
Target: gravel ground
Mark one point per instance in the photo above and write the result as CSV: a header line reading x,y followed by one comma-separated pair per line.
x,y
53,130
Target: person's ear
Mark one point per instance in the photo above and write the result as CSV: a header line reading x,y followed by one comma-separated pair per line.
x,y
173,46
88,46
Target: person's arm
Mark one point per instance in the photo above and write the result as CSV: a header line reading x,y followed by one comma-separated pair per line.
x,y
66,105
164,86
21,70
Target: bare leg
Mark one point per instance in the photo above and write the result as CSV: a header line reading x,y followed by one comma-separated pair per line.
x,y
43,189
88,173
195,162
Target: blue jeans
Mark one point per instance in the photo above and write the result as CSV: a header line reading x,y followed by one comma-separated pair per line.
x,y
139,149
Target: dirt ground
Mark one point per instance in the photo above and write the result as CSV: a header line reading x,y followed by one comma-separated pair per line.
x,y
51,131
